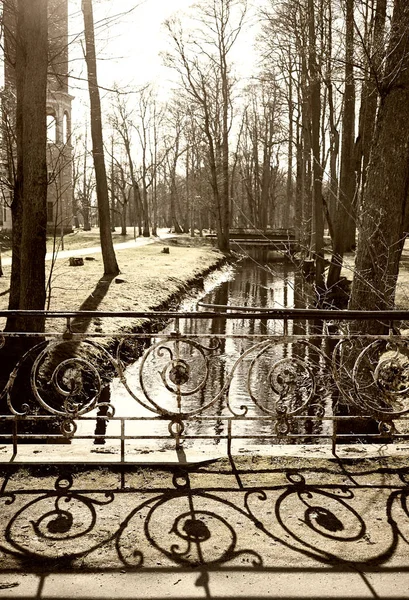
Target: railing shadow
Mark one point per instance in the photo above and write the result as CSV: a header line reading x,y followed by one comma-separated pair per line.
x,y
207,521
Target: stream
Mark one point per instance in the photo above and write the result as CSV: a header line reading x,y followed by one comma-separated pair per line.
x,y
247,283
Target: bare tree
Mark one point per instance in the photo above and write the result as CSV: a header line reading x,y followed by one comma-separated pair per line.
x,y
373,50
203,64
120,184
345,220
83,182
108,253
384,215
122,122
27,287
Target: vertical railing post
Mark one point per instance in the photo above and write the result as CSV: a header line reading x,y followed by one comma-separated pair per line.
x,y
334,437
15,438
122,440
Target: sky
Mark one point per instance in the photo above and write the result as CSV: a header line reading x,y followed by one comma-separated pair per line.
x,y
129,48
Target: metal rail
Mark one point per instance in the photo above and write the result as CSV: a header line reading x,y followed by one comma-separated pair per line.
x,y
302,376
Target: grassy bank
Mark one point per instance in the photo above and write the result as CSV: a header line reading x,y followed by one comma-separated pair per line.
x,y
149,279
402,286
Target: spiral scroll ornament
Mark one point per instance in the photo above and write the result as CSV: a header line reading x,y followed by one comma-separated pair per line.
x,y
172,375
63,516
59,379
374,377
282,386
199,534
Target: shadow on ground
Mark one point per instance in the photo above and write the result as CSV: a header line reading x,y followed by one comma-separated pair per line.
x,y
80,324
223,529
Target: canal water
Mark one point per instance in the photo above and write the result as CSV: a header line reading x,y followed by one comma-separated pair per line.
x,y
218,348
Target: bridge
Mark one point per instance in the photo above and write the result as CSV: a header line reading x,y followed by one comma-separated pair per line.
x,y
283,241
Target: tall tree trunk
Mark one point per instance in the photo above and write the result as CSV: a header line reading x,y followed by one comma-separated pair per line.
x,y
173,189
123,220
225,148
345,224
29,208
384,212
315,145
289,184
370,95
155,180
112,187
299,178
333,134
306,183
86,208
108,253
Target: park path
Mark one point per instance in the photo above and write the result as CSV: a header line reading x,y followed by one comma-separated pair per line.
x,y
289,523
135,243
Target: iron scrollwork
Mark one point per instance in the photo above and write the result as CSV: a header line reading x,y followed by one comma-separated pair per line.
x,y
289,381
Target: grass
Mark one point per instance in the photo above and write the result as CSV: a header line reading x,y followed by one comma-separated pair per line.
x,y
71,241
148,279
88,239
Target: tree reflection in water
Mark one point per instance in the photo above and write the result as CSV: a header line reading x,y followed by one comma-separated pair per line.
x,y
275,285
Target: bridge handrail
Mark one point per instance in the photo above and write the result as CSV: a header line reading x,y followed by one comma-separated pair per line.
x,y
290,378
222,311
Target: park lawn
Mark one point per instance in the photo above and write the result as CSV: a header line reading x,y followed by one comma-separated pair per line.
x,y
77,239
148,279
87,239
402,286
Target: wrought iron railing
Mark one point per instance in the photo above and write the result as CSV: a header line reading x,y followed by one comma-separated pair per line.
x,y
294,376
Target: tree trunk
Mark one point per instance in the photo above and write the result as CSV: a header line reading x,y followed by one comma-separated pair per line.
x,y
315,146
384,212
333,134
289,183
345,224
29,208
108,253
112,187
146,232
225,187
123,220
370,96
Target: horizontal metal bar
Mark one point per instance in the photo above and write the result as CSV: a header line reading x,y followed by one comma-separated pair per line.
x,y
276,337
196,418
222,311
244,436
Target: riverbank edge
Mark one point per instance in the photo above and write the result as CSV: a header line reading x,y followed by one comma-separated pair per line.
x,y
109,343
101,353
171,303
151,326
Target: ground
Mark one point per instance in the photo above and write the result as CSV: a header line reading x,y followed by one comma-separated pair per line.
x,y
302,524
294,522
149,278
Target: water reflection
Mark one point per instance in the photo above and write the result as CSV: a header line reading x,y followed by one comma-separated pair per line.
x,y
255,387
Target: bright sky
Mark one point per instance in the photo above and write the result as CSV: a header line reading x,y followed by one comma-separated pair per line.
x,y
129,49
